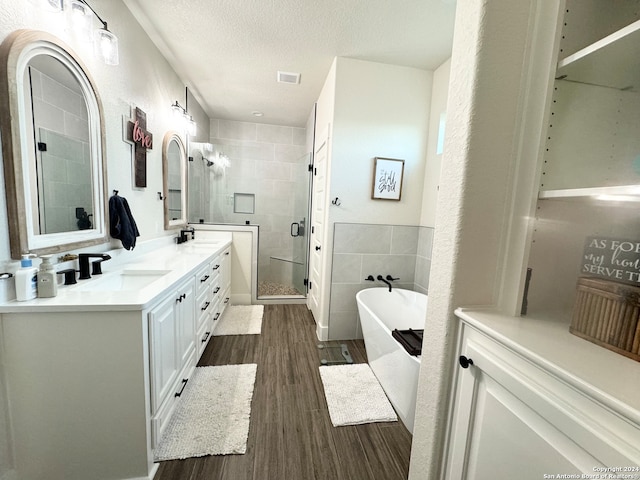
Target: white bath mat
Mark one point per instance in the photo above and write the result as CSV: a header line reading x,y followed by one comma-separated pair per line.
x,y
240,320
354,395
212,417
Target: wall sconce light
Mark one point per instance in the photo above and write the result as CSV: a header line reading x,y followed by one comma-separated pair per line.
x,y
81,16
180,114
53,5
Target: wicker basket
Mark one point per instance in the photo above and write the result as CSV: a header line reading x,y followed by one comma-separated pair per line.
x,y
606,313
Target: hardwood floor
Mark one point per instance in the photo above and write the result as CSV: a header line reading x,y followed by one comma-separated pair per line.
x,y
290,435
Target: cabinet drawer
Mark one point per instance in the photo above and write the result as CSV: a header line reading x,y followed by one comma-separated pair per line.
x,y
203,279
203,337
215,267
225,299
204,307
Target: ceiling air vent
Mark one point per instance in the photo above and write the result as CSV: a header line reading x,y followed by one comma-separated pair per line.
x,y
287,77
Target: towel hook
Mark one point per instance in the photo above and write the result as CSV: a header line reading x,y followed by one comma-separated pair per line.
x,y
336,202
160,196
115,192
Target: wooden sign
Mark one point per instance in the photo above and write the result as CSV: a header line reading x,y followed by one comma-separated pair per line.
x,y
142,141
613,259
387,179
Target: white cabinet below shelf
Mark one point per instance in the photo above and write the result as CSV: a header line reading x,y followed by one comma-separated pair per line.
x,y
516,415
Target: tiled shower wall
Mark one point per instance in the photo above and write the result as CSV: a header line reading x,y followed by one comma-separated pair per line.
x,y
360,250
65,166
266,161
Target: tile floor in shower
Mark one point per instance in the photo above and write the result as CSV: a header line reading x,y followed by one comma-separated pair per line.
x,y
268,288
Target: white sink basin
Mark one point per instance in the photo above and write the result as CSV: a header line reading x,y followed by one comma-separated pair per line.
x,y
125,280
203,243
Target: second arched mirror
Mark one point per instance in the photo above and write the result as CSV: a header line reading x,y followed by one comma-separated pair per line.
x,y
174,171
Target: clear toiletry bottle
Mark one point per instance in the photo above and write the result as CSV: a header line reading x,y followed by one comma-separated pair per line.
x,y
47,278
26,279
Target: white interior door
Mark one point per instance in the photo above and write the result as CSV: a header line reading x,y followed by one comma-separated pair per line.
x,y
318,226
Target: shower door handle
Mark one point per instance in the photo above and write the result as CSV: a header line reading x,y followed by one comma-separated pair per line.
x,y
295,229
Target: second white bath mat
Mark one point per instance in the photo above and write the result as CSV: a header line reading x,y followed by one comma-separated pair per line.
x,y
354,395
240,320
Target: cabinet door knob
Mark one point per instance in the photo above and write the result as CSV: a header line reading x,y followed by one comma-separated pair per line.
x,y
317,247
464,361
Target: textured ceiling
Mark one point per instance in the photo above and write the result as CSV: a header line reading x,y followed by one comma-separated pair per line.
x,y
228,52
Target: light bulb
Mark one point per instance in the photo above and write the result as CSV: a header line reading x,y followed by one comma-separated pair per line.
x,y
107,46
81,17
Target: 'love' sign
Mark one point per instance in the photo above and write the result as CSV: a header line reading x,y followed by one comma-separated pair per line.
x,y
142,141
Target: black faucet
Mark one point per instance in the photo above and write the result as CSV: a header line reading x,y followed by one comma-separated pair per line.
x,y
183,235
382,279
83,263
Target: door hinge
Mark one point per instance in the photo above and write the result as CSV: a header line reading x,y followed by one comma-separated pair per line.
x,y
312,229
310,285
311,167
42,147
305,282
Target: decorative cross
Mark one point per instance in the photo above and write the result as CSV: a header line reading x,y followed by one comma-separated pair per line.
x,y
142,141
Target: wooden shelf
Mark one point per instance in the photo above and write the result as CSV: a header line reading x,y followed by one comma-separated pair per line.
x,y
624,192
612,62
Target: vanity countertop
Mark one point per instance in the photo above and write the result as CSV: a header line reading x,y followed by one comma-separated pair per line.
x,y
163,269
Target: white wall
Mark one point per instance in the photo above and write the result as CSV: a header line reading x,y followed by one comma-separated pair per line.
x,y
143,79
434,157
380,111
497,67
375,110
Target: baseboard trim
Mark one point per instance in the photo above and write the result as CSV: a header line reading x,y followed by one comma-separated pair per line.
x,y
322,332
241,299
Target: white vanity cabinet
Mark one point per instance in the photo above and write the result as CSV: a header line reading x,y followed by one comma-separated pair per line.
x,y
519,414
93,376
172,346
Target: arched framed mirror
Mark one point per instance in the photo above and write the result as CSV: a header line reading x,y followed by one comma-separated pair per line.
x,y
53,146
174,173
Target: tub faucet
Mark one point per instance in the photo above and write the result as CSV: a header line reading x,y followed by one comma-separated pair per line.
x,y
83,263
382,279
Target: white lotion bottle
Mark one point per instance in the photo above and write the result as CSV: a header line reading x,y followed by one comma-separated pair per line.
x,y
47,278
26,279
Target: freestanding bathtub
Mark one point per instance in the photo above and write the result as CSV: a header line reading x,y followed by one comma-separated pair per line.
x,y
381,312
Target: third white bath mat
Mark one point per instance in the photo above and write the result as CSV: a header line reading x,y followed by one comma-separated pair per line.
x,y
354,395
240,320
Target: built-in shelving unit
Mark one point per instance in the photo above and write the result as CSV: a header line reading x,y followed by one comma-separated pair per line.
x,y
590,177
624,192
600,63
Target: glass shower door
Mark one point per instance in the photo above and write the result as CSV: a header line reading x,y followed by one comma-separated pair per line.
x,y
299,226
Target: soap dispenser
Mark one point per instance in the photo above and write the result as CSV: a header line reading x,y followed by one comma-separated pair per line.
x,y
47,278
26,279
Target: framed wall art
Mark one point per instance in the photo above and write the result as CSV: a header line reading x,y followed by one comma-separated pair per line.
x,y
387,178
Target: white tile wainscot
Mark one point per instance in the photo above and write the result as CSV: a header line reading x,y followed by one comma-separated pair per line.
x,y
92,373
